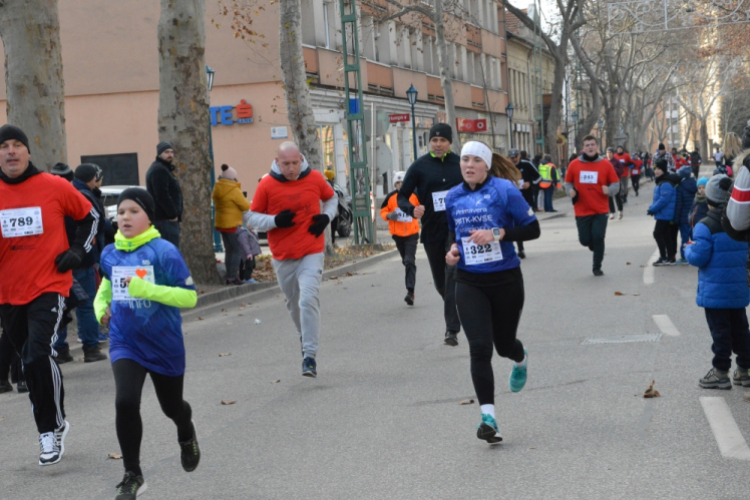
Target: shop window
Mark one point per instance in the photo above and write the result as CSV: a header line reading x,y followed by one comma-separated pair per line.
x,y
119,169
326,138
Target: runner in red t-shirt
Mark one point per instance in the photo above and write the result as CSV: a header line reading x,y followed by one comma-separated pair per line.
x,y
635,174
287,206
35,265
627,162
589,181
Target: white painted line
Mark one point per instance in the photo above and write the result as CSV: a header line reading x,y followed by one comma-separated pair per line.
x,y
648,271
665,325
728,436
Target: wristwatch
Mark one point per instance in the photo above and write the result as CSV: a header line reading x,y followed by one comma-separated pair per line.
x,y
496,232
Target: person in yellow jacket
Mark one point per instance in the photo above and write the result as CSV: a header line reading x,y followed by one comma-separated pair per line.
x,y
404,231
229,204
550,181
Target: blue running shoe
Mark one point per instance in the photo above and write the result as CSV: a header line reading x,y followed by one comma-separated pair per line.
x,y
488,431
518,374
309,368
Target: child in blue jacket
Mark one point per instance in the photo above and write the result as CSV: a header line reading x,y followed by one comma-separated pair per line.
x,y
723,289
699,210
662,209
684,197
145,282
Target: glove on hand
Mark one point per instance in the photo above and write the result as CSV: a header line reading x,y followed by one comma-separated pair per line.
x,y
649,212
319,224
392,216
284,218
70,259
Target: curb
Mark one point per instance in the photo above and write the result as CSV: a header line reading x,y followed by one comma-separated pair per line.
x,y
252,293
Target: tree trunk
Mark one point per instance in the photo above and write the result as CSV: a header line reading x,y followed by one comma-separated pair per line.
x,y
30,30
183,121
705,151
445,81
298,103
553,121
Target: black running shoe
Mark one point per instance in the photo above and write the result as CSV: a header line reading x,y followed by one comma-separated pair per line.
x,y
130,487
309,368
598,272
190,452
5,386
409,299
22,387
451,338
521,254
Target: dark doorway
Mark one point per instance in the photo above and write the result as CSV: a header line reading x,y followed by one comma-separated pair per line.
x,y
119,170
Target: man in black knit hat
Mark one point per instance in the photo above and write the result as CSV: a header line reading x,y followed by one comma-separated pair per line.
x,y
162,185
431,176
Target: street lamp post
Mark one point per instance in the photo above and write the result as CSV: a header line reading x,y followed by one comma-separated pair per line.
x,y
411,94
599,125
210,84
574,116
509,109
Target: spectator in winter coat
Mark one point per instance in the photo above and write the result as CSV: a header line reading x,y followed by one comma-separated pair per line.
x,y
699,210
250,248
684,196
695,163
661,154
662,209
230,203
722,290
162,185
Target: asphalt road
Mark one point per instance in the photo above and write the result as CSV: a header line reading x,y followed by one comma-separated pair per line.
x,y
383,420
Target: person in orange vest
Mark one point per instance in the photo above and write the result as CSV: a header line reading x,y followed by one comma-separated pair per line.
x,y
550,181
404,231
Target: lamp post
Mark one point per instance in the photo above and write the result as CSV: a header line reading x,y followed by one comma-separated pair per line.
x,y
574,116
599,125
509,109
411,94
210,84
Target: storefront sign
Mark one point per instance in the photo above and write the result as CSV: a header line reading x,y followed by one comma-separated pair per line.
x,y
468,125
222,115
279,133
403,117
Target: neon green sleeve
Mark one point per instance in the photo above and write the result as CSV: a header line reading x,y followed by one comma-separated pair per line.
x,y
103,299
167,295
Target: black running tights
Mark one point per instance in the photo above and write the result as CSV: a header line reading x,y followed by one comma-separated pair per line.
x,y
490,317
129,379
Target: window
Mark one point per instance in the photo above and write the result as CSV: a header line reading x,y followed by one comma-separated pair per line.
x,y
368,37
308,29
119,169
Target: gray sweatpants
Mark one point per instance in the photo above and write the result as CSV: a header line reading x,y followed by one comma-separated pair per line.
x,y
299,279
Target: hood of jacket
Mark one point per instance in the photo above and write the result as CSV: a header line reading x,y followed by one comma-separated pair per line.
x,y
684,172
223,187
30,171
590,159
276,171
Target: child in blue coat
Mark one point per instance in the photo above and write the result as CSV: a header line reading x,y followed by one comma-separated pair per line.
x,y
722,289
145,282
662,209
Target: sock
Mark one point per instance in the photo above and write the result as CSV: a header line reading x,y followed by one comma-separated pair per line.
x,y
488,410
523,363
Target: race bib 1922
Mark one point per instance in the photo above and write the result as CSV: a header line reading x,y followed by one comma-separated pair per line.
x,y
481,254
438,200
120,274
19,222
588,177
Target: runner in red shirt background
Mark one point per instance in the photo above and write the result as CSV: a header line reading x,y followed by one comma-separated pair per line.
x,y
589,181
35,264
627,162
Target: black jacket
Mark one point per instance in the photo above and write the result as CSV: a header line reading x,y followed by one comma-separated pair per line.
x,y
92,257
530,174
426,176
163,186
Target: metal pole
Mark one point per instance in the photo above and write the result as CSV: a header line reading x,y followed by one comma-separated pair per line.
x,y
217,237
414,132
511,132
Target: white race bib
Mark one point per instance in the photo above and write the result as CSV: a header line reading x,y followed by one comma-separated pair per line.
x,y
402,217
589,177
121,273
19,222
481,254
438,200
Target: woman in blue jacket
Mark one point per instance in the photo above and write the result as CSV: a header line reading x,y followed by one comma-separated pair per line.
x,y
486,215
722,289
662,209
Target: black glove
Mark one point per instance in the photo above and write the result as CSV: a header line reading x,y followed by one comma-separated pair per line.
x,y
284,218
649,212
392,216
70,259
319,224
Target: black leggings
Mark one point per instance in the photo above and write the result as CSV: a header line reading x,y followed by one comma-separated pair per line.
x,y
666,239
129,379
490,317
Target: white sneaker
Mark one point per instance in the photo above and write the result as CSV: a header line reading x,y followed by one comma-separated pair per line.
x,y
611,216
49,452
620,216
60,436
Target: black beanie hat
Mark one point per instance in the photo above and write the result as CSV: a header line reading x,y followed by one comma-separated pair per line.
x,y
661,165
661,146
441,130
86,172
62,170
163,146
140,196
8,132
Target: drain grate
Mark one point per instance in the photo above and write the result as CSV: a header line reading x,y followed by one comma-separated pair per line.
x,y
624,339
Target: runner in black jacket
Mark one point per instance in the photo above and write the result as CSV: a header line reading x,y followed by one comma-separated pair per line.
x,y
431,176
530,177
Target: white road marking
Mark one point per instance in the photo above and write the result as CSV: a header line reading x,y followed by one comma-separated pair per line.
x,y
648,271
665,325
728,436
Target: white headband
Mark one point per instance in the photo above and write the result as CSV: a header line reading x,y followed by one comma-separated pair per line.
x,y
479,149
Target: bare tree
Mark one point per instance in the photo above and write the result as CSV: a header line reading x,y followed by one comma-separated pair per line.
x,y
30,30
184,122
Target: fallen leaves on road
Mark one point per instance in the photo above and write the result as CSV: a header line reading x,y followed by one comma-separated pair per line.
x,y
619,294
200,319
650,391
227,403
2,418
275,381
627,263
466,402
224,354
115,456
745,396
